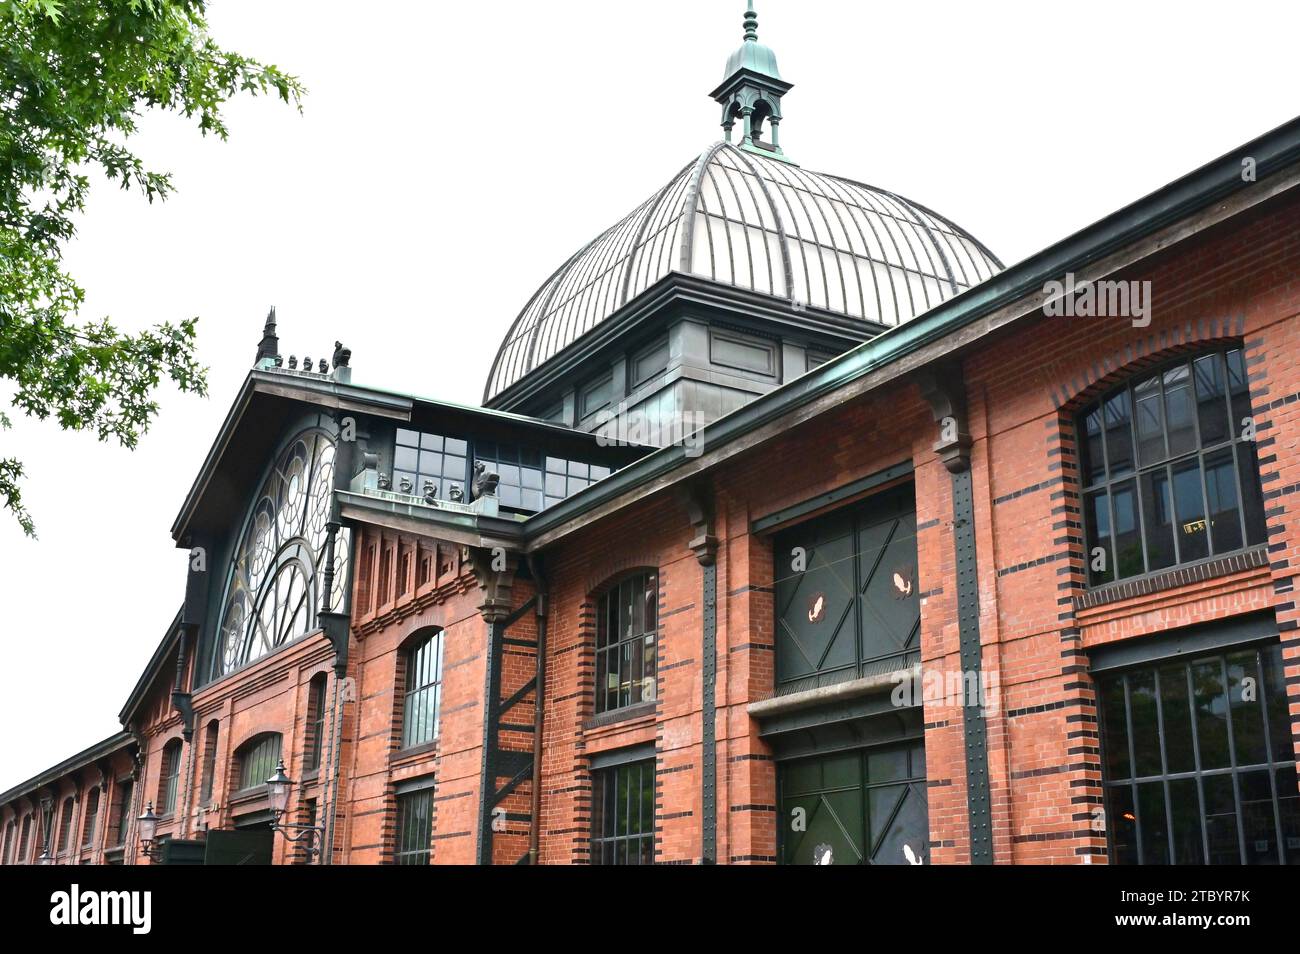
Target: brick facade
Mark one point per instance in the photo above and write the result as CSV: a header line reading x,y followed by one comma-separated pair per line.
x,y
1232,283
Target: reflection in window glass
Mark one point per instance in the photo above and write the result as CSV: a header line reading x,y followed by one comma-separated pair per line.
x,y
1198,483
1213,772
623,814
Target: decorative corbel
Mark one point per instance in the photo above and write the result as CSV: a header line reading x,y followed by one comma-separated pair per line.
x,y
181,697
944,388
494,570
698,501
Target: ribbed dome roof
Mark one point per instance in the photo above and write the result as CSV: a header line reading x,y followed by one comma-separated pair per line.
x,y
742,219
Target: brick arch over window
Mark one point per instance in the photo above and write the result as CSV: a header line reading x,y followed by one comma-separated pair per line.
x,y
1072,385
1159,468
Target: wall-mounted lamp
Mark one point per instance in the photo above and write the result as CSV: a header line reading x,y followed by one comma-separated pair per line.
x,y
278,787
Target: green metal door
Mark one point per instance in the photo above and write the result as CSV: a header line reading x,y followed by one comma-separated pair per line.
x,y
847,600
861,807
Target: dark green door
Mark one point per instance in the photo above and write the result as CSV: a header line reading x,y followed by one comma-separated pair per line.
x,y
847,599
861,807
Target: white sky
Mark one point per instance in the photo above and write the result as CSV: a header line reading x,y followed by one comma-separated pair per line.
x,y
451,156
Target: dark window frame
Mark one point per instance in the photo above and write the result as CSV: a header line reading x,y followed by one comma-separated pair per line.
x,y
1123,769
63,841
169,776
441,446
422,660
264,749
414,844
614,649
314,743
613,834
90,818
1168,466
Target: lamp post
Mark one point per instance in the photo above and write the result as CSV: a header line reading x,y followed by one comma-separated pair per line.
x,y
278,787
148,830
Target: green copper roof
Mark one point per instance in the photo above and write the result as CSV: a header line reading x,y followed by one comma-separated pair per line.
x,y
752,55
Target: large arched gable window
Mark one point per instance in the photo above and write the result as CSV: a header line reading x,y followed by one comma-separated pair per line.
x,y
273,587
1168,468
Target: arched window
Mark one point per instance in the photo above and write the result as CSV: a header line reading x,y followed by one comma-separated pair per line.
x,y
169,777
315,742
210,735
1168,468
273,589
65,823
257,759
25,841
92,817
420,712
626,627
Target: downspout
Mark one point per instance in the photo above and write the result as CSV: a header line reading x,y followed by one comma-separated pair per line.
x,y
181,701
543,607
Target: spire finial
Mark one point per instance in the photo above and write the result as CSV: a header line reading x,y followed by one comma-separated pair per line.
x,y
269,346
751,24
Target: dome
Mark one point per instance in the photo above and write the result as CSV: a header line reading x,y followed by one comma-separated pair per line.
x,y
739,218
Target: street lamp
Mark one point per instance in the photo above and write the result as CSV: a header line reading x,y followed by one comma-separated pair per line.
x,y
278,787
148,829
46,858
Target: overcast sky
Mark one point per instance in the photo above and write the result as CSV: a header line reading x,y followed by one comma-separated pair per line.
x,y
450,156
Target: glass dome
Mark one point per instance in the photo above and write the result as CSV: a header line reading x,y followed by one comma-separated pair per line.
x,y
739,218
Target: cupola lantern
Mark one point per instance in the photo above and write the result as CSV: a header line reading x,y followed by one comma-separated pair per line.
x,y
751,93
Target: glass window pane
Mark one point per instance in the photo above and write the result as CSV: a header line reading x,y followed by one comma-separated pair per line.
x,y
1239,390
1150,421
1128,538
1221,490
1211,399
1157,515
1154,828
1258,818
1211,713
1093,463
1119,434
1180,410
456,446
430,464
1121,822
408,438
1247,714
1189,505
1114,727
405,458
1221,820
1252,497
1146,730
431,442
1180,756
1185,803
1275,699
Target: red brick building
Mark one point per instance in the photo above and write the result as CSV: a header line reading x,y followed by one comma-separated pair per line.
x,y
793,528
